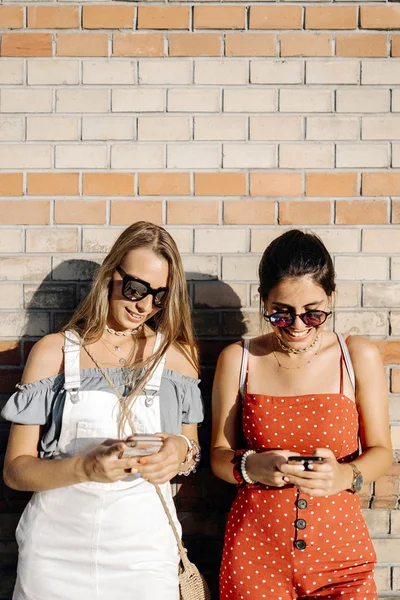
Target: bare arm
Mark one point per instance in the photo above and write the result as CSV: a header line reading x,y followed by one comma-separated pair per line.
x,y
376,450
23,470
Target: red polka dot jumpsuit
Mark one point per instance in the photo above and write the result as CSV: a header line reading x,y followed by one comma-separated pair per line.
x,y
281,544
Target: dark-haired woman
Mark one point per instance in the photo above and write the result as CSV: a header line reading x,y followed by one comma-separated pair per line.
x,y
95,529
295,529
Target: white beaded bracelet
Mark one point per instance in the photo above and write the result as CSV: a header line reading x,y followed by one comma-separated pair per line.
x,y
243,466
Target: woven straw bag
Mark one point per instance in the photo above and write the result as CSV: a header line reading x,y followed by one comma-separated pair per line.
x,y
192,585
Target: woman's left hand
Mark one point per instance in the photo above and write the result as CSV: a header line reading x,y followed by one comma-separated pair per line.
x,y
325,479
165,464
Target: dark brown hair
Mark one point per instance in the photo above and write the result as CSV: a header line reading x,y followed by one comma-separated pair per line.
x,y
296,254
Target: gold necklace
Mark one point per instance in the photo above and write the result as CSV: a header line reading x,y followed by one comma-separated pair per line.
x,y
122,361
281,366
297,350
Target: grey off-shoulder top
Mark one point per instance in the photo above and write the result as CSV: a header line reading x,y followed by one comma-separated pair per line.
x,y
42,402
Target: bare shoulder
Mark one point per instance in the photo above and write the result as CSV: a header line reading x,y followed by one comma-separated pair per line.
x,y
365,356
231,355
178,360
361,348
45,359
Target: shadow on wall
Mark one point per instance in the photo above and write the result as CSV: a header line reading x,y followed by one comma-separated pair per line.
x,y
203,500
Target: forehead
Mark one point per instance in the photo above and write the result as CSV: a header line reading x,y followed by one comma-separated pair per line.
x,y
147,265
297,291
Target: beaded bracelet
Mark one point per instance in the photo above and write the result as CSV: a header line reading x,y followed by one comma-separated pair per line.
x,y
243,466
193,454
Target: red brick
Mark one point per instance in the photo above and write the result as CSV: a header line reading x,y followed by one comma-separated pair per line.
x,y
84,212
195,44
220,184
331,184
160,184
276,17
381,184
365,212
331,17
11,17
249,212
163,17
138,44
355,44
108,17
219,17
11,184
108,184
182,212
53,17
276,184
26,44
380,17
390,351
306,44
10,352
125,212
24,213
250,44
82,44
304,213
53,184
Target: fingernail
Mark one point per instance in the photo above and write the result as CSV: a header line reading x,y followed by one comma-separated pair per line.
x,y
134,471
285,479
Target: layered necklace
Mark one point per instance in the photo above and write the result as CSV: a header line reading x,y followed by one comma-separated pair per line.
x,y
288,349
118,347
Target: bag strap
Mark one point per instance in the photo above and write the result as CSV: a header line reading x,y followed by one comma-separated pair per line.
x,y
347,359
181,548
243,368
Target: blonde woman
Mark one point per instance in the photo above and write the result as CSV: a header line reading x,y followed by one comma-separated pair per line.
x,y
126,363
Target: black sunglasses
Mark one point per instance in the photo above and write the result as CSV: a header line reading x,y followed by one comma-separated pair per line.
x,y
135,289
311,318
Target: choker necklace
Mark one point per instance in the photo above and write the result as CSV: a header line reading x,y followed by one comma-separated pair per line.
x,y
281,366
126,332
297,350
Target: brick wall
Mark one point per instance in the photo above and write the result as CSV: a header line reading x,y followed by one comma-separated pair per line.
x,y
227,123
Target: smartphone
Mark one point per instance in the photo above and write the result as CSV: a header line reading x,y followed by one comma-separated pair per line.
x,y
307,461
142,445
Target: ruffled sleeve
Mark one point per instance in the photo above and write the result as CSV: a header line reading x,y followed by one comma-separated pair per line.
x,y
39,403
192,401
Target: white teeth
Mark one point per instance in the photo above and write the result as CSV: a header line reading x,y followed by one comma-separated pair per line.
x,y
298,333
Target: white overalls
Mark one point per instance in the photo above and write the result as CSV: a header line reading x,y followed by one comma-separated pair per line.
x,y
98,541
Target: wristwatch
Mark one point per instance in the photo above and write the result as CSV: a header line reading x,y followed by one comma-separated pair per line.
x,y
358,480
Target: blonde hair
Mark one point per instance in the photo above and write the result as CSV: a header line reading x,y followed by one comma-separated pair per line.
x,y
173,321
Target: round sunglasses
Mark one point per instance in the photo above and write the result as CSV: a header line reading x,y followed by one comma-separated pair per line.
x,y
311,318
136,289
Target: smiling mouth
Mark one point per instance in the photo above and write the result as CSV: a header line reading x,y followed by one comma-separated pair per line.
x,y
297,334
133,315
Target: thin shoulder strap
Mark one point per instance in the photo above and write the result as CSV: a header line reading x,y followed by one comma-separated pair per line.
x,y
243,368
72,348
347,359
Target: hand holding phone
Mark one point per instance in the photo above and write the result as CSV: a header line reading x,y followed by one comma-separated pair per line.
x,y
142,445
306,461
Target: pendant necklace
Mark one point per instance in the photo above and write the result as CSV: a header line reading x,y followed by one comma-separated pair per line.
x,y
122,361
281,366
117,347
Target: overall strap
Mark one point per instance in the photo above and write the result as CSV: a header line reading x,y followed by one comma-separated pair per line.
x,y
72,348
347,361
153,385
243,368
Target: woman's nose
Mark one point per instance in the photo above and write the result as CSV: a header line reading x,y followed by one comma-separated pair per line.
x,y
145,304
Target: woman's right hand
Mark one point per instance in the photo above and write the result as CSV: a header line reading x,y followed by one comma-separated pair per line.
x,y
264,467
103,464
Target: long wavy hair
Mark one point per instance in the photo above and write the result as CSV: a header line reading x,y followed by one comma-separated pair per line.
x,y
173,321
